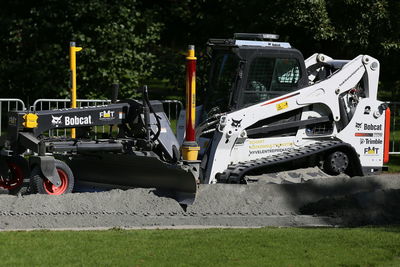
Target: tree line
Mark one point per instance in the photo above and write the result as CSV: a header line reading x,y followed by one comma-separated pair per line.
x,y
133,42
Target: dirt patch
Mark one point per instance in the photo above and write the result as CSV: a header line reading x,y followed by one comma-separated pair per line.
x,y
316,202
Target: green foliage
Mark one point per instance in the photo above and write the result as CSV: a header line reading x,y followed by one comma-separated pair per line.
x,y
394,163
136,41
117,38
341,28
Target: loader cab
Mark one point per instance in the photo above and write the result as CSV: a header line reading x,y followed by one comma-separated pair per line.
x,y
250,69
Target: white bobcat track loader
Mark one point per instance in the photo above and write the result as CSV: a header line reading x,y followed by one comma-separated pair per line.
x,y
267,106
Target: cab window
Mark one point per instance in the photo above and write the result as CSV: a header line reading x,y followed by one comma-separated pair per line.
x,y
269,78
222,78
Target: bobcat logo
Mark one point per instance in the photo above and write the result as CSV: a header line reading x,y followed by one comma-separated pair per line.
x,y
236,123
56,120
358,125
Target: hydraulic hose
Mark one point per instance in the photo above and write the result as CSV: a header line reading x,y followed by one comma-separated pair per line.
x,y
146,99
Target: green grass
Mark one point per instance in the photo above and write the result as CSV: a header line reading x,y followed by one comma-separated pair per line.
x,y
394,160
212,247
394,163
395,136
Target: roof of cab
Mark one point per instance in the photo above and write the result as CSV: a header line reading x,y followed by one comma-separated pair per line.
x,y
250,39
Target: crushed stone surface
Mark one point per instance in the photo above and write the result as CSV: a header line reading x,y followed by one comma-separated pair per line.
x,y
319,201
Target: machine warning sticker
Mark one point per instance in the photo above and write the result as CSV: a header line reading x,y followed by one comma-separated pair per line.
x,y
282,105
371,151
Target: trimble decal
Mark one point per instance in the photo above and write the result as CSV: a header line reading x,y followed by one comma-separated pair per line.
x,y
370,141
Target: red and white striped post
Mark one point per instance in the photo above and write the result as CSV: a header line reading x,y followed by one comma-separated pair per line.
x,y
190,148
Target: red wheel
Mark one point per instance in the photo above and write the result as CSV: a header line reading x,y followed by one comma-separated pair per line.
x,y
16,179
56,190
42,185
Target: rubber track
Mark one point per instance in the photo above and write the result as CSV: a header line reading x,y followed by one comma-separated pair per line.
x,y
235,172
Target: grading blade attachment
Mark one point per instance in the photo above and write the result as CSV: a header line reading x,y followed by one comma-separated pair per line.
x,y
148,171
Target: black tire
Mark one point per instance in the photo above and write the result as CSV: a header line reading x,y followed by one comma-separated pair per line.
x,y
18,184
41,185
336,163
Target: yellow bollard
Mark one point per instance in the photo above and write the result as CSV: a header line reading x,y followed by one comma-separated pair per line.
x,y
72,55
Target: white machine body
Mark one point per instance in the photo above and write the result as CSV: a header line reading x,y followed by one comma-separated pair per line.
x,y
364,131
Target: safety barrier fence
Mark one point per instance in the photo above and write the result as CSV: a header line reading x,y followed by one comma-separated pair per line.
x,y
171,108
48,104
394,128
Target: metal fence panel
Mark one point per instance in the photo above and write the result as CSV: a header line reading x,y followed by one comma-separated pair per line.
x,y
48,104
172,108
394,128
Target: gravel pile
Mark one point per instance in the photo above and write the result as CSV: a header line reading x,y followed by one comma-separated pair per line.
x,y
315,202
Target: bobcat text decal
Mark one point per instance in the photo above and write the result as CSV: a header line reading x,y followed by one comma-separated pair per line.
x,y
71,121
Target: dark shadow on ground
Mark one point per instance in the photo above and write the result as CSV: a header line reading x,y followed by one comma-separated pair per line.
x,y
370,200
